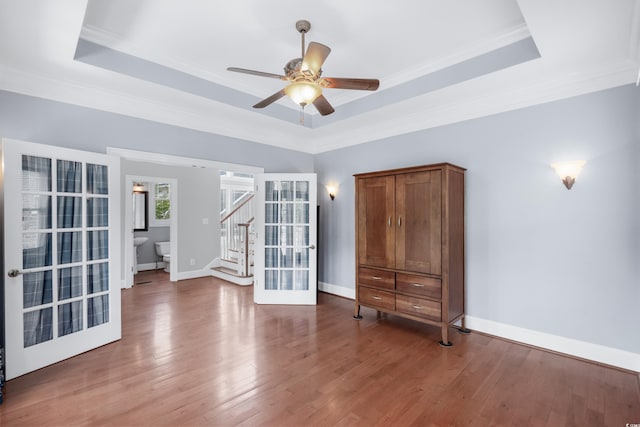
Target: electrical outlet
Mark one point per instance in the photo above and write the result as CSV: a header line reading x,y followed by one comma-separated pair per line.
x,y
192,261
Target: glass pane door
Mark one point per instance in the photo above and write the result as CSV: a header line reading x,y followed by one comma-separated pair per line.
x,y
285,263
60,300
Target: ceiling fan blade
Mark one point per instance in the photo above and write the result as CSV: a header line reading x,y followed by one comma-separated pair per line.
x,y
347,83
315,56
270,100
257,73
323,106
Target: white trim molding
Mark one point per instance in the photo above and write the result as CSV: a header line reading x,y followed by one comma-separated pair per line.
x,y
340,291
584,350
569,346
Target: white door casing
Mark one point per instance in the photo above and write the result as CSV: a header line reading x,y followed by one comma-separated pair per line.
x,y
286,239
62,241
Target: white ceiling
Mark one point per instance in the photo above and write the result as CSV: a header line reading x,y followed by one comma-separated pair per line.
x,y
584,46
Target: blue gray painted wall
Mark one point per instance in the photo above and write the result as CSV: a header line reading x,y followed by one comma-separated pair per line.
x,y
48,122
537,256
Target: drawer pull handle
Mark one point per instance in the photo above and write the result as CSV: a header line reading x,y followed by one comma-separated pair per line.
x,y
376,278
418,285
417,307
376,298
389,221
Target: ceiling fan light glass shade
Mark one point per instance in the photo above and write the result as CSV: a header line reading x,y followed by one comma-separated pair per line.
x,y
303,93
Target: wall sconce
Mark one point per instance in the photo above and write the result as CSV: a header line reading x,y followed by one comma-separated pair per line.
x,y
331,189
568,171
138,187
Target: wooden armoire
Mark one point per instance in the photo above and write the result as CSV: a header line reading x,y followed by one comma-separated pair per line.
x,y
410,244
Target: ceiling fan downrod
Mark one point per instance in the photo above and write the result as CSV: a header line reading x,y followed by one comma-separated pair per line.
x,y
303,26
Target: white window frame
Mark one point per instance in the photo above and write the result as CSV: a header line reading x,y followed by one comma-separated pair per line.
x,y
153,222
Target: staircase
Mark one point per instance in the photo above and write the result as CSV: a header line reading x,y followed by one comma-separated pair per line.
x,y
236,243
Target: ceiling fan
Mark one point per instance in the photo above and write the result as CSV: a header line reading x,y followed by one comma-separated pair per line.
x,y
304,77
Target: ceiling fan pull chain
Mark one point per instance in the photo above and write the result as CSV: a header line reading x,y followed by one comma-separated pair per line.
x,y
302,115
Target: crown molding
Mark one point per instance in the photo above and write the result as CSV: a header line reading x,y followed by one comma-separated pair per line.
x,y
411,116
196,112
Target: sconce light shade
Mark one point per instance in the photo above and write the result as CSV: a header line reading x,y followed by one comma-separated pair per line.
x,y
568,171
331,189
138,186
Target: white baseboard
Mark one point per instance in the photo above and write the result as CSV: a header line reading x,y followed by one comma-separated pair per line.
x,y
150,266
585,350
194,274
341,291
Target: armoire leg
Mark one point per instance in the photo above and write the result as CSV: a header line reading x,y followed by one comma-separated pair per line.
x,y
357,314
445,336
463,329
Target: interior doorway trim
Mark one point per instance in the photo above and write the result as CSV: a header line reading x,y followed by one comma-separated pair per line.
x,y
128,226
168,159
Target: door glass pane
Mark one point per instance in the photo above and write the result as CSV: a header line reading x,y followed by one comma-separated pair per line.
x,y
271,257
271,191
302,280
69,283
302,258
69,247
69,212
97,245
69,176
271,235
98,310
302,191
270,213
38,326
36,250
97,179
97,278
286,235
69,318
286,191
286,280
36,212
36,173
97,212
302,235
286,213
286,258
271,280
302,213
36,288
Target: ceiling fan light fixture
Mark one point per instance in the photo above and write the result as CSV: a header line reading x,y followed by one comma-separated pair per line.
x,y
303,92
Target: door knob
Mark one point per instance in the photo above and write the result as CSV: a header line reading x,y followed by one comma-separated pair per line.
x,y
312,246
14,273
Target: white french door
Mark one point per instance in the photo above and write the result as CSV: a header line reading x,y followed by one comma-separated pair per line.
x,y
61,253
285,241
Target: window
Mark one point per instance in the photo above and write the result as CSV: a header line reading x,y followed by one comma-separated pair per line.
x,y
161,205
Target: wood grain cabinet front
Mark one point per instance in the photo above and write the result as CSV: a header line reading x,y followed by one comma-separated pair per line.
x,y
410,244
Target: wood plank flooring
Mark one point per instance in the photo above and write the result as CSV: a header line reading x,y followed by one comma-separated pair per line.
x,y
199,352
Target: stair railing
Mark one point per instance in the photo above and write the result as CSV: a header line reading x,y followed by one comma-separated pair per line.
x,y
236,229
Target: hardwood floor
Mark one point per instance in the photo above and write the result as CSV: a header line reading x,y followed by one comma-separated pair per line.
x,y
199,352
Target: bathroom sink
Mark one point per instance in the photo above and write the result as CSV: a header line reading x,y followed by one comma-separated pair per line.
x,y
137,241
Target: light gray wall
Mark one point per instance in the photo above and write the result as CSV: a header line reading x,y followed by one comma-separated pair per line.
x,y
537,256
198,198
55,123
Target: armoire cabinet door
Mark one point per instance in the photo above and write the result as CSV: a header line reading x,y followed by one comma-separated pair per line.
x,y
418,222
376,226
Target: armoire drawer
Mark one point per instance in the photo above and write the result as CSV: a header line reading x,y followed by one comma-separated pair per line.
x,y
377,278
419,285
419,307
376,298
